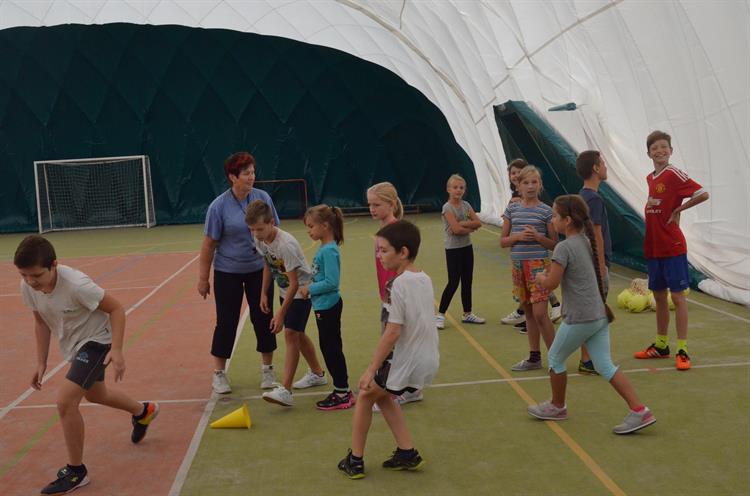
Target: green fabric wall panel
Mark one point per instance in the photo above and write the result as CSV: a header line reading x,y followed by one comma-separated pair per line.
x,y
189,97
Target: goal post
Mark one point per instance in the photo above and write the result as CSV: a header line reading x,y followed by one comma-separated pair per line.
x,y
94,193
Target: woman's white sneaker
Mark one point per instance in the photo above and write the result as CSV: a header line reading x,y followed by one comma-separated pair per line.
x,y
470,318
220,383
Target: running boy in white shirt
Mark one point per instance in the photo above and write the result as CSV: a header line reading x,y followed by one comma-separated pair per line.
x,y
90,325
407,355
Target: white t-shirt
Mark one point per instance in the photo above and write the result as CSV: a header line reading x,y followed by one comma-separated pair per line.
x,y
70,310
416,356
283,255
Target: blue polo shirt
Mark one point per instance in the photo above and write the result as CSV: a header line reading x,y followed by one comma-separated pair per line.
x,y
225,223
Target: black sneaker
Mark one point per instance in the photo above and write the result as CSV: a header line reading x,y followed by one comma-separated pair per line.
x,y
520,327
140,424
401,462
334,401
350,468
67,481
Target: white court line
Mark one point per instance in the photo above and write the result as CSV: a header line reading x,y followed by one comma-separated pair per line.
x,y
708,307
187,461
442,385
60,365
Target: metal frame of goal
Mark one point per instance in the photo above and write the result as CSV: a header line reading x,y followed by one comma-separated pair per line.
x,y
94,193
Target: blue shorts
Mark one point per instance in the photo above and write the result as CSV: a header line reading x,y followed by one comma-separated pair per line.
x,y
668,273
297,314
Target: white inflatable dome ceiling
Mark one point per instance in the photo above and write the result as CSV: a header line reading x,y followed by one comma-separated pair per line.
x,y
631,66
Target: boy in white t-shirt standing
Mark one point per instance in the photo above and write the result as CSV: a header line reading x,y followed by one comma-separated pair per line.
x,y
407,356
90,325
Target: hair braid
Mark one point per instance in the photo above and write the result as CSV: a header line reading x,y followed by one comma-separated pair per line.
x,y
589,230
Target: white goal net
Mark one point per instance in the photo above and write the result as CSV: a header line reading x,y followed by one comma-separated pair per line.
x,y
94,193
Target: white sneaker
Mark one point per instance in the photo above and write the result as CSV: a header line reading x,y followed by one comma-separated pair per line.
x,y
268,379
220,383
555,313
279,395
470,318
440,321
403,399
513,318
311,379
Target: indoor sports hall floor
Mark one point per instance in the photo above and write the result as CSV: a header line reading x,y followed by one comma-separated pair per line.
x,y
472,427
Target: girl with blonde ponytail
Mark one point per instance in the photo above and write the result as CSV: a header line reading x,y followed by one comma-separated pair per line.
x,y
586,316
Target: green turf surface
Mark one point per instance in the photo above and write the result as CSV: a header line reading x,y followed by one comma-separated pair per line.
x,y
475,438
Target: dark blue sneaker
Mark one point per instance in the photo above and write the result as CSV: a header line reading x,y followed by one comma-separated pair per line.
x,y
67,481
352,469
403,462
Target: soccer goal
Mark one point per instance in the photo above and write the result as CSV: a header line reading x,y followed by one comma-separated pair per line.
x,y
94,193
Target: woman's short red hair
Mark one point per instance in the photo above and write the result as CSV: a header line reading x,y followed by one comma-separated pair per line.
x,y
237,162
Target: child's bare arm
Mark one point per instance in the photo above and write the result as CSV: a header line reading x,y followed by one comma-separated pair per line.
x,y
599,240
42,333
506,238
455,226
116,313
675,217
473,223
384,348
550,278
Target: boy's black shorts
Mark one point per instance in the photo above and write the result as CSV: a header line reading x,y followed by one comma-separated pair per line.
x,y
87,367
381,378
297,314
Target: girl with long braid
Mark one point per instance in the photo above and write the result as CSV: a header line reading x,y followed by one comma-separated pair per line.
x,y
586,316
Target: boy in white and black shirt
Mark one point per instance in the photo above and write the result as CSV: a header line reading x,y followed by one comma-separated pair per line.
x,y
407,356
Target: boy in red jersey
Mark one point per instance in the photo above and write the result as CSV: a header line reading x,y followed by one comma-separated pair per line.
x,y
665,247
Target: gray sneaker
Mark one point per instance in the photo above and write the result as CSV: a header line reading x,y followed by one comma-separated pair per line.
x,y
310,379
635,421
547,411
525,365
268,378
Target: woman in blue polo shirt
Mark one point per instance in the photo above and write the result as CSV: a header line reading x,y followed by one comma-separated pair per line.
x,y
238,270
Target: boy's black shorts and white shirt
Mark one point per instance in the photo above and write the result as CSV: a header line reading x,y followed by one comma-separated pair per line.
x,y
416,357
71,312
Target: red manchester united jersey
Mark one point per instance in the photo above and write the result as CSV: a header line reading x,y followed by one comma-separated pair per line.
x,y
666,191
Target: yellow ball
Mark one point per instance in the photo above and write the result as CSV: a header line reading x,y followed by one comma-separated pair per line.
x,y
623,298
638,303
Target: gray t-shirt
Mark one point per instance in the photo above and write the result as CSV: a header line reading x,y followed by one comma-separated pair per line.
x,y
581,301
284,255
71,310
461,213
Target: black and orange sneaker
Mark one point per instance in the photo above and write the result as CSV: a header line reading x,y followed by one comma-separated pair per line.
x,y
352,469
683,360
141,422
402,461
68,480
652,352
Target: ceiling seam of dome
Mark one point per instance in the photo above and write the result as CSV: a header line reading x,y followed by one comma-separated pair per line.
x,y
572,26
401,14
99,11
718,84
412,46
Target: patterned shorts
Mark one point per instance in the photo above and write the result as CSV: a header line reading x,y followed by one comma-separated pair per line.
x,y
524,289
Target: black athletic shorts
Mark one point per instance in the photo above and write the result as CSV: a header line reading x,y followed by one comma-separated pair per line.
x,y
87,367
297,314
381,378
